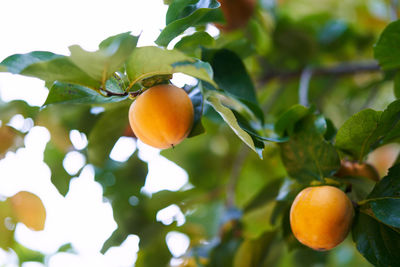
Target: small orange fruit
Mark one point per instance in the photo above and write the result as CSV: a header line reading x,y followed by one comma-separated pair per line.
x,y
349,168
29,209
162,116
320,217
237,13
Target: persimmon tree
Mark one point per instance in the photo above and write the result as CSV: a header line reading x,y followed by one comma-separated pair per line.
x,y
287,96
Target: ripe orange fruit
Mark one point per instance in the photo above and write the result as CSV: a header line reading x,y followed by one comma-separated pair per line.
x,y
320,217
236,12
29,209
162,116
349,168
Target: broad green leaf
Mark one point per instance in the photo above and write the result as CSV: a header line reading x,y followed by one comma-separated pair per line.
x,y
231,120
202,13
356,135
101,64
287,120
385,198
65,93
60,69
387,49
179,9
54,158
389,186
191,45
378,243
369,129
258,221
140,64
387,210
106,132
27,255
18,62
258,139
197,99
307,156
231,76
3,68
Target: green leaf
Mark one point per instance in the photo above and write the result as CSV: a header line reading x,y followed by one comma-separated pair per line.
x,y
387,49
368,129
231,76
191,45
385,198
258,221
231,120
356,135
389,186
387,211
27,255
6,228
100,65
107,130
65,93
378,243
197,100
179,9
307,156
201,13
140,65
287,120
18,62
54,158
60,69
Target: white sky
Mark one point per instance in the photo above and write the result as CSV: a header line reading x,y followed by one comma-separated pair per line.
x,y
81,218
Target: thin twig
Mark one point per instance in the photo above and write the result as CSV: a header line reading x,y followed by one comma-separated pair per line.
x,y
131,94
305,78
337,70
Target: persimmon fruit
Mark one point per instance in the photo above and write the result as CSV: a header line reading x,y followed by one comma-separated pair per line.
x,y
237,13
350,168
29,209
321,217
162,116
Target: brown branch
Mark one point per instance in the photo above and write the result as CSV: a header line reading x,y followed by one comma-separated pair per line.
x,y
337,70
131,94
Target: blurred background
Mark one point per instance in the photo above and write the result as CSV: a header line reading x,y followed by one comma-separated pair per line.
x,y
304,33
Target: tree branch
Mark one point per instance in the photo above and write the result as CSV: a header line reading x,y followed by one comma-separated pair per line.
x,y
305,78
337,70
